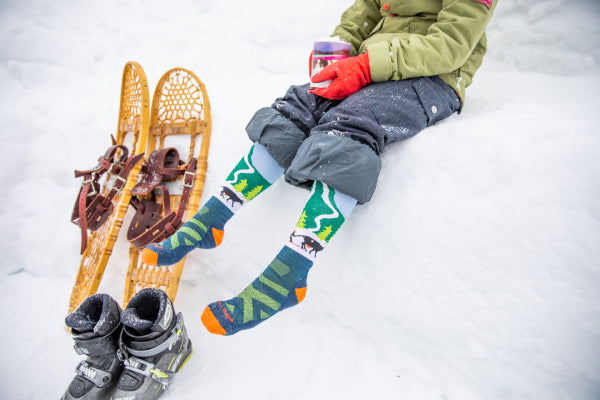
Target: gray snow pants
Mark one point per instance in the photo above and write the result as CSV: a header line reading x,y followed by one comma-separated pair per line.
x,y
339,142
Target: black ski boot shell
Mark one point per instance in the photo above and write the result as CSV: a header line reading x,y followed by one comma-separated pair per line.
x,y
95,326
154,345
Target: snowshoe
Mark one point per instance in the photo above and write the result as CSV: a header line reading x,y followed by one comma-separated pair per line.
x,y
153,346
174,173
95,326
102,203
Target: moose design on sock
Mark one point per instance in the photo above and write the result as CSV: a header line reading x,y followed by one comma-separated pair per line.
x,y
307,241
231,198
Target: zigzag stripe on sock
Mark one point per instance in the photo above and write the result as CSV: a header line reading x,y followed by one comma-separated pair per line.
x,y
204,230
281,285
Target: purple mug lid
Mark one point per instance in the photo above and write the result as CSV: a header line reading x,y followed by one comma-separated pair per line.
x,y
329,47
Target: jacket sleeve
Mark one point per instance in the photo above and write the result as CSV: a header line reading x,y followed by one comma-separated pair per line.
x,y
357,22
446,47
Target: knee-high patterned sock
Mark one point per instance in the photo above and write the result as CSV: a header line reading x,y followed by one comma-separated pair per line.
x,y
283,283
251,176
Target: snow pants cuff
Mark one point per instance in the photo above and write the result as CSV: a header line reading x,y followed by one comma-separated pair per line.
x,y
346,165
279,135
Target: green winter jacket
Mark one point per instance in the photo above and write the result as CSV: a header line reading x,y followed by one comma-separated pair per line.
x,y
414,38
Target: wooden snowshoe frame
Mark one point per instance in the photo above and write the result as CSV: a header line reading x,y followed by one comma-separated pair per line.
x,y
180,107
132,125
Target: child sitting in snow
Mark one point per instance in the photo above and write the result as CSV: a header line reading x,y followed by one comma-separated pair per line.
x,y
411,63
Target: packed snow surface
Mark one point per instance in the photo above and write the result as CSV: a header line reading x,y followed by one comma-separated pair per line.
x,y
473,273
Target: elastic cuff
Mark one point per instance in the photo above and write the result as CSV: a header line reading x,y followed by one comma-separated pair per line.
x,y
380,62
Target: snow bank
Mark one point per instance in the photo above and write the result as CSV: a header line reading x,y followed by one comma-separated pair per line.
x,y
472,274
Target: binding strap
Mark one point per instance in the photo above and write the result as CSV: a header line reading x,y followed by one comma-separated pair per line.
x,y
163,165
148,225
92,209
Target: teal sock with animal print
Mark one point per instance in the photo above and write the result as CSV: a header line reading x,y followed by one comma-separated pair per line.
x,y
250,177
283,283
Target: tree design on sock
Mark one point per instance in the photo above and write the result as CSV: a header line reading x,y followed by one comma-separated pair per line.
x,y
321,215
246,180
319,221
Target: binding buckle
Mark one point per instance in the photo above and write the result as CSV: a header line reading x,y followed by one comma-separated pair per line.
x,y
185,176
123,181
90,181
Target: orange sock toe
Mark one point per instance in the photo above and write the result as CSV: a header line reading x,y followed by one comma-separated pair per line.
x,y
149,257
218,235
210,322
300,294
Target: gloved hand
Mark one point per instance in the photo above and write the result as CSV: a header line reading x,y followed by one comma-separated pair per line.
x,y
348,76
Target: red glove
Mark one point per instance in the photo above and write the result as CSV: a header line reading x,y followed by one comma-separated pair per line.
x,y
349,75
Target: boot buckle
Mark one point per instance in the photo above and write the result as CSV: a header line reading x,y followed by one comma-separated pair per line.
x,y
146,368
95,375
138,365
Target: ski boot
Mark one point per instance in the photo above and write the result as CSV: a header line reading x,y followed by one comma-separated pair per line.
x,y
95,325
153,346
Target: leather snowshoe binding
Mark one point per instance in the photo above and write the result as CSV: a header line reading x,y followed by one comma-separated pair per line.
x,y
92,208
95,326
149,224
154,346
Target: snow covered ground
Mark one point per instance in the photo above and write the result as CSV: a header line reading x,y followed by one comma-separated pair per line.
x,y
474,272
